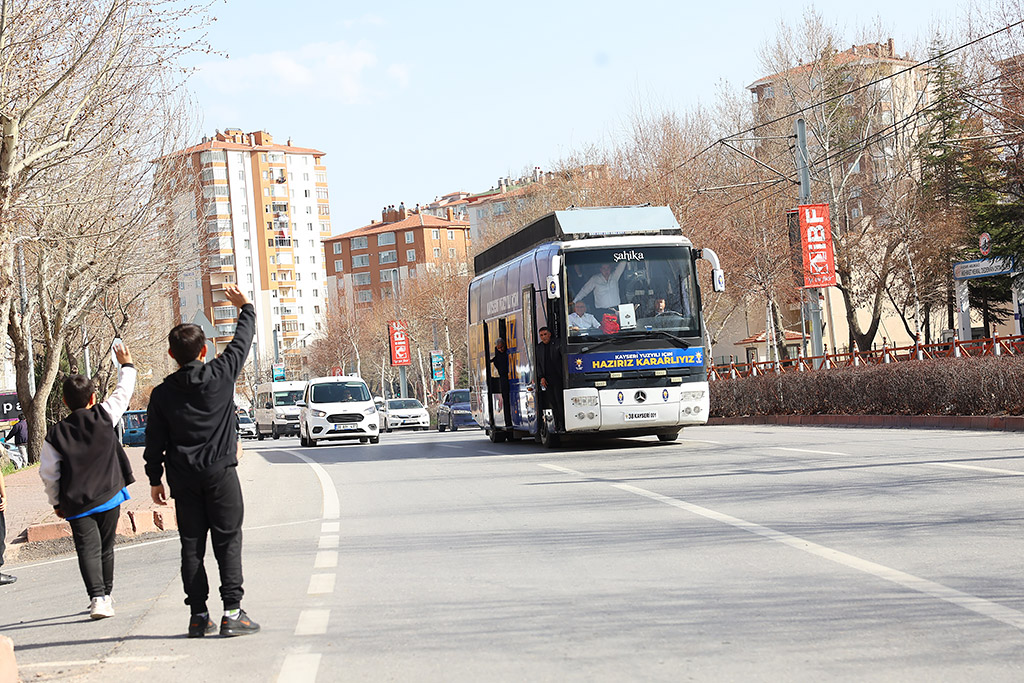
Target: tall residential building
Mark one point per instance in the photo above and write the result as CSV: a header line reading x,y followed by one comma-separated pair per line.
x,y
261,211
361,264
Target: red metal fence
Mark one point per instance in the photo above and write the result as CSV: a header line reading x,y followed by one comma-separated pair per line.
x,y
995,346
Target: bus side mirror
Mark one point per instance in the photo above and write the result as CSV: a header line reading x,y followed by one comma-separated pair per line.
x,y
268,406
553,287
717,274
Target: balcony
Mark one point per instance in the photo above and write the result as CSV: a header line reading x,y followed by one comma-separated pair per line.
x,y
279,242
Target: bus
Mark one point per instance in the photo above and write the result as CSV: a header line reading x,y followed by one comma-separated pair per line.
x,y
617,289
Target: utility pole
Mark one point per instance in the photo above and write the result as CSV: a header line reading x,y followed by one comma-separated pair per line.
x,y
812,305
402,378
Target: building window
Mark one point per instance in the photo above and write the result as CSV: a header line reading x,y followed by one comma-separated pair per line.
x,y
364,296
305,176
410,237
390,256
358,243
361,261
306,193
410,255
451,252
385,238
321,177
321,193
337,247
222,312
436,234
339,265
359,279
437,252
387,275
451,234
316,309
323,210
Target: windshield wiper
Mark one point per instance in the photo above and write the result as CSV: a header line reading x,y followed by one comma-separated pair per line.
x,y
624,337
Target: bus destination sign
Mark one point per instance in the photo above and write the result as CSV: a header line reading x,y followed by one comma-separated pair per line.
x,y
636,360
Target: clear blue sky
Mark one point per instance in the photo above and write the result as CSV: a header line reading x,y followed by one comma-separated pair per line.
x,y
411,100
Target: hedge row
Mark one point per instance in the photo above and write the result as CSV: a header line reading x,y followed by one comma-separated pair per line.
x,y
992,385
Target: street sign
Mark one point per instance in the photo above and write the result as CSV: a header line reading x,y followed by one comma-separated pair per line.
x,y
278,372
437,366
204,324
968,270
816,245
398,338
985,243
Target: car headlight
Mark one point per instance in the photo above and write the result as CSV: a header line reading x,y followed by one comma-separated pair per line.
x,y
318,413
691,395
279,413
584,400
370,411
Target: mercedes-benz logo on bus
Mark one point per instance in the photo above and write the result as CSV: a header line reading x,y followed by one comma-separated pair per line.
x,y
640,396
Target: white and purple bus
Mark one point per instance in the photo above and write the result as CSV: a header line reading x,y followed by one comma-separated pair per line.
x,y
617,288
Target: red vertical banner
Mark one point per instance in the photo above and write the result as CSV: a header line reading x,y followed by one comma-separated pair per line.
x,y
816,244
401,354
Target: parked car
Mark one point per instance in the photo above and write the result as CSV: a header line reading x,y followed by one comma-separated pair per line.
x,y
246,427
333,408
133,423
453,411
405,413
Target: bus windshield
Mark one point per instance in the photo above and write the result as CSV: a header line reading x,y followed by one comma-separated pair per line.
x,y
287,398
630,290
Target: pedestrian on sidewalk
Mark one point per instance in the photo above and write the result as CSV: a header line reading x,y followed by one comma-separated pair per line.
x,y
86,473
19,432
191,431
4,578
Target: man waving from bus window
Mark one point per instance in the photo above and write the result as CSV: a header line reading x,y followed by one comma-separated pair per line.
x,y
605,286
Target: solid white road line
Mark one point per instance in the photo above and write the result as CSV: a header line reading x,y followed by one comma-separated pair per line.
x,y
973,603
321,584
332,506
326,559
328,542
959,466
716,443
565,470
312,622
330,527
106,660
299,668
804,450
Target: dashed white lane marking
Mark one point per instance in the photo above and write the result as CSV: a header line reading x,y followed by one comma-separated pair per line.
x,y
332,506
566,470
106,660
321,584
490,452
804,450
978,468
716,443
299,668
330,527
312,622
326,559
973,603
327,542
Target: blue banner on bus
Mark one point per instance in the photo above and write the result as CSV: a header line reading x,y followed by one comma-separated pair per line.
x,y
636,360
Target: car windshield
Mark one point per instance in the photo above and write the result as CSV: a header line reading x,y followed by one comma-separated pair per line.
x,y
287,398
460,396
339,392
630,290
404,404
245,419
135,420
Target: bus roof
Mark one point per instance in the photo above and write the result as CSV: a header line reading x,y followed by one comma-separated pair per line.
x,y
580,223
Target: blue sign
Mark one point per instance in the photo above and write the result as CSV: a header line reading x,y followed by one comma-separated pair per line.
x,y
277,374
617,361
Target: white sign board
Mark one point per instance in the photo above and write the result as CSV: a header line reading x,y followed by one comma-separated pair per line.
x,y
968,270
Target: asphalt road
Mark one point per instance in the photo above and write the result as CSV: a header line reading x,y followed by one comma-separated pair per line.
x,y
736,554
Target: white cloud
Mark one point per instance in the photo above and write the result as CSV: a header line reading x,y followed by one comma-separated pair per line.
x,y
399,73
333,71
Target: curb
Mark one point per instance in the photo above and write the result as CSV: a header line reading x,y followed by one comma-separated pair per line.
x,y
1006,423
130,523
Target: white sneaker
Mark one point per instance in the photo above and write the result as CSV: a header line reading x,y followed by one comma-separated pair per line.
x,y
101,608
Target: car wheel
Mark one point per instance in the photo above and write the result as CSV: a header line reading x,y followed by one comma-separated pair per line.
x,y
440,426
671,436
496,435
545,437
273,430
374,439
451,424
302,439
259,433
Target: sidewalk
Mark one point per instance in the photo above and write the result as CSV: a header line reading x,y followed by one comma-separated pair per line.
x,y
30,517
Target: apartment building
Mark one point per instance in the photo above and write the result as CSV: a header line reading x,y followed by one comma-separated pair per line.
x,y
261,210
362,264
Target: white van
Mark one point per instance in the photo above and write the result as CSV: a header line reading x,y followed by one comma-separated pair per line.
x,y
337,408
276,413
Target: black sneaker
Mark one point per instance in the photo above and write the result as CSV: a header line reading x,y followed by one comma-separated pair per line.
x,y
6,579
241,625
200,625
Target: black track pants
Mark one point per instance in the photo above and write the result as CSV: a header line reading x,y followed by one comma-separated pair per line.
x,y
94,544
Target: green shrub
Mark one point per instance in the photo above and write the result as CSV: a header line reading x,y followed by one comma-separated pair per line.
x,y
991,385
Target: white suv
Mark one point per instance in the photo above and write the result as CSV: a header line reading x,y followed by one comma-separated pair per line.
x,y
334,408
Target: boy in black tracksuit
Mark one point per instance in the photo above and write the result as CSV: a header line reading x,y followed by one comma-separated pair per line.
x,y
191,429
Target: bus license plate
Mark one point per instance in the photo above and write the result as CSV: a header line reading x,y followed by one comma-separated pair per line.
x,y
339,428
639,416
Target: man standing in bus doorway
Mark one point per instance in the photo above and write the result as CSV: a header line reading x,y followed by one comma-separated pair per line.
x,y
549,369
500,362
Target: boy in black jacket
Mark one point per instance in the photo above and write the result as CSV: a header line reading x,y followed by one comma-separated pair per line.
x,y
86,473
191,430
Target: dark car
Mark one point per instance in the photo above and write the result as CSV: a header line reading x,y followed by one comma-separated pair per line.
x,y
453,412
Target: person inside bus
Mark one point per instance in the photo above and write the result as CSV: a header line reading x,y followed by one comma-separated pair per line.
x,y
549,369
500,362
605,286
580,320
